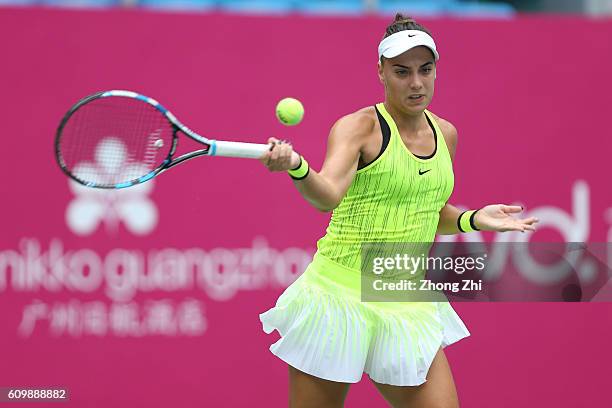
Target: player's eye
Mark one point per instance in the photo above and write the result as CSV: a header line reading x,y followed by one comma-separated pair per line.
x,y
401,72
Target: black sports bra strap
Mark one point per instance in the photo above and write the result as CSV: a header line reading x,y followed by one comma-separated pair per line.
x,y
433,128
386,136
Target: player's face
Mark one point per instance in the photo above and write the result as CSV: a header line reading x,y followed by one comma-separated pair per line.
x,y
409,79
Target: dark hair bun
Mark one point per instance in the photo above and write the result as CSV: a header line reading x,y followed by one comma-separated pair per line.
x,y
400,18
401,23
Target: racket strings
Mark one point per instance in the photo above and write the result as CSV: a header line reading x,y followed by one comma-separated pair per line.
x,y
115,140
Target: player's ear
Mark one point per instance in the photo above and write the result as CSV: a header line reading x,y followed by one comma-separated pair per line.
x,y
381,78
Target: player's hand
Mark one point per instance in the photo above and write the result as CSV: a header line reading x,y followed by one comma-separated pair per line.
x,y
281,156
498,217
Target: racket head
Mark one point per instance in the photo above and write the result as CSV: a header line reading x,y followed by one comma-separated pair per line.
x,y
115,139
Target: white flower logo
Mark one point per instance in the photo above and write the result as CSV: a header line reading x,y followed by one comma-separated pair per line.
x,y
132,206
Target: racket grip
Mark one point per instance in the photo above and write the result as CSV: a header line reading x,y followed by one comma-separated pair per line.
x,y
238,149
244,150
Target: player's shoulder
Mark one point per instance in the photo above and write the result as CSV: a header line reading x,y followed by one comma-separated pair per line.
x,y
363,119
448,129
357,124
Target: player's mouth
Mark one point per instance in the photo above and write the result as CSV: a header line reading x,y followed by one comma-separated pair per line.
x,y
416,98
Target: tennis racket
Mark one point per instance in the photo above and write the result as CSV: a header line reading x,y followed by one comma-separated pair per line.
x,y
118,139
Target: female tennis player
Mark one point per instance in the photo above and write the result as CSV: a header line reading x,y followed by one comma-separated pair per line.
x,y
387,176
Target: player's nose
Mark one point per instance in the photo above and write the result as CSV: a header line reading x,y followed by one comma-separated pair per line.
x,y
416,83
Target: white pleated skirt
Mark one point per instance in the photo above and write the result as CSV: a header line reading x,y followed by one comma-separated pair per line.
x,y
327,331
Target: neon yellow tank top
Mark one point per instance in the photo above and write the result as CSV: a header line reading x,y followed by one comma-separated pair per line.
x,y
395,198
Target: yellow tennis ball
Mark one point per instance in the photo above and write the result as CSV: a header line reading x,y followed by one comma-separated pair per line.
x,y
289,111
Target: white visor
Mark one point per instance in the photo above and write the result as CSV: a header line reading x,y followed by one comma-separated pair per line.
x,y
402,41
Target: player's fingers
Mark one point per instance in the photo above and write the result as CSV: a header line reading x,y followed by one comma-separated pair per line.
x,y
274,154
273,142
526,225
281,156
284,159
286,152
512,224
512,209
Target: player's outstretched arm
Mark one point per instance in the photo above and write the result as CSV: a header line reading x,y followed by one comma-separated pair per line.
x,y
494,217
326,188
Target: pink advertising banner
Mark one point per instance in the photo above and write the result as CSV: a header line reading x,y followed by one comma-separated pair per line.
x,y
151,297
